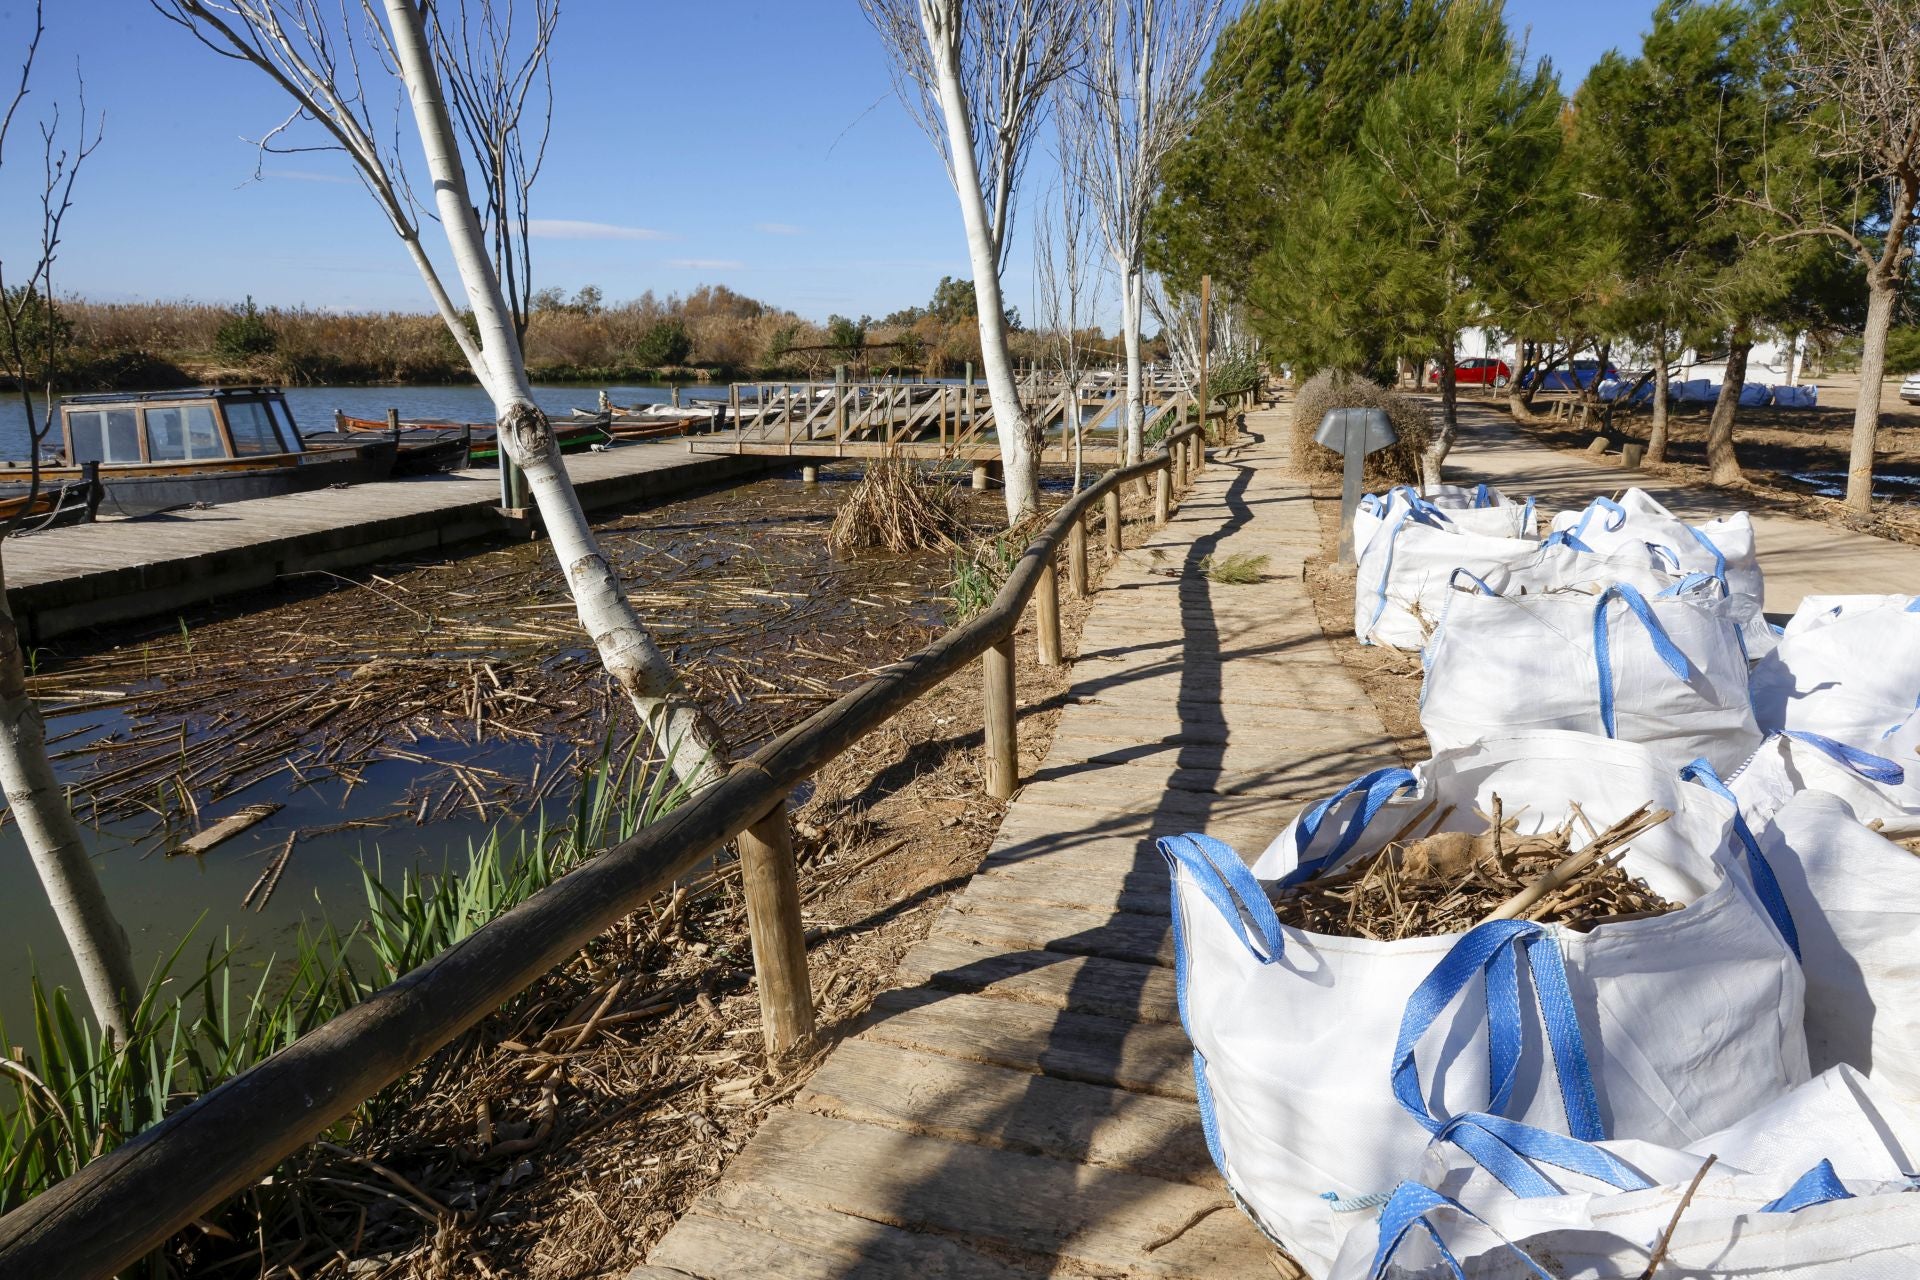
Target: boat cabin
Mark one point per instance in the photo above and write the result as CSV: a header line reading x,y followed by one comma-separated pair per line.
x,y
199,424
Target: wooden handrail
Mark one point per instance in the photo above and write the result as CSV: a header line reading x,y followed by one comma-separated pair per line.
x,y
117,1209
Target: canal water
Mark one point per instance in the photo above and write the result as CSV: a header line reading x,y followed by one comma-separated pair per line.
x,y
737,586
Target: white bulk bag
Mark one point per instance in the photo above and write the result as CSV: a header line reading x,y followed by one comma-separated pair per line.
x,y
1813,1184
1297,1034
1667,671
1722,547
1846,667
1484,509
1855,899
1880,785
1402,572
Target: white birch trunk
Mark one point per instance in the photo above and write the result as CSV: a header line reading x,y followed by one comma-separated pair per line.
x,y
1016,434
1131,300
685,736
52,837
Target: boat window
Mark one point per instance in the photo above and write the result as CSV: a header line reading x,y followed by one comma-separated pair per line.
x,y
289,433
104,435
252,428
177,433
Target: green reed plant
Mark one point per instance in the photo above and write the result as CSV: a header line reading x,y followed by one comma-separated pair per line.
x,y
74,1095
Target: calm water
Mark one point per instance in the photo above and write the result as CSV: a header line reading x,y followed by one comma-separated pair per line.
x,y
313,406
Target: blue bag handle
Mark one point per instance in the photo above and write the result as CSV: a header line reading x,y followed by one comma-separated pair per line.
x,y
1765,883
1408,1208
1418,506
1566,538
1663,644
1482,496
1719,556
1526,516
1224,879
1494,949
1666,552
1689,582
1818,1185
1869,766
1914,607
1616,512
1376,789
1453,581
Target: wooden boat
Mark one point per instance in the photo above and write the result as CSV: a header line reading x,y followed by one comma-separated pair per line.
x,y
419,450
482,442
157,450
646,422
51,505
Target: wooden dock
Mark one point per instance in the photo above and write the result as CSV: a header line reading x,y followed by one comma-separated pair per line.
x,y
64,580
1022,1105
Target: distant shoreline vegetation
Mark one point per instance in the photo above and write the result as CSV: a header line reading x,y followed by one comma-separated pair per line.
x,y
709,334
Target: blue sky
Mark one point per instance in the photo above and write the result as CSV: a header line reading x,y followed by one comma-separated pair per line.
x,y
745,142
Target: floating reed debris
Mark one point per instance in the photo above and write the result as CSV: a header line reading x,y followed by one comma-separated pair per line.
x,y
1450,881
893,508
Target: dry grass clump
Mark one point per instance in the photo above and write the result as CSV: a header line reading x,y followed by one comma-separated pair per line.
x,y
893,508
1331,389
1450,881
1237,569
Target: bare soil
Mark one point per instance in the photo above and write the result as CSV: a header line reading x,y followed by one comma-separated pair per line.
x,y
563,1136
1390,677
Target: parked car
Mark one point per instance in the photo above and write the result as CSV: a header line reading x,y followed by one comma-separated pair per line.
x,y
1480,371
1910,389
1580,375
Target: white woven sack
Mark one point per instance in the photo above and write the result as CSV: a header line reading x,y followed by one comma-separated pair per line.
x,y
1403,569
1813,1184
1855,899
1723,547
1846,667
1664,1028
1485,509
1667,671
1880,784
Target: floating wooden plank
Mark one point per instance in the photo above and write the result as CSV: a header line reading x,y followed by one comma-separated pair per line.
x,y
225,829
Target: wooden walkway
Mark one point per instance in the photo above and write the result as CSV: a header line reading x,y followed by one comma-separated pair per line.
x,y
117,570
1022,1104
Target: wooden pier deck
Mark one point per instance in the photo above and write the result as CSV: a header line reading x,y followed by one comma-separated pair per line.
x,y
64,580
1022,1104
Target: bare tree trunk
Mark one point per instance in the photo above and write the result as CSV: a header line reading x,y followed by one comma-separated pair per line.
x,y
1442,442
1132,282
1723,467
1866,411
1519,401
685,736
1657,434
1015,433
52,838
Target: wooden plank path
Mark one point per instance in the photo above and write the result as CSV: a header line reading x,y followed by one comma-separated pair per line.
x,y
1022,1104
117,570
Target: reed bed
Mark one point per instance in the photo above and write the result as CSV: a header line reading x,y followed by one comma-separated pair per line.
x,y
1450,881
895,508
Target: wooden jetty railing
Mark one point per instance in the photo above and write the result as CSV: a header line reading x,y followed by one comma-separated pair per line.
x,y
853,419
131,1200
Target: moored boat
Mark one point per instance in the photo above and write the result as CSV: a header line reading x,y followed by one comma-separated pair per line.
x,y
157,450
481,440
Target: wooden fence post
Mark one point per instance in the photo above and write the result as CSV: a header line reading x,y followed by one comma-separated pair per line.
x,y
1163,493
1113,519
1046,601
1003,742
772,885
1077,558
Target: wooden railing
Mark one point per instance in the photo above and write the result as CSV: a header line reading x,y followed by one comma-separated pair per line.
x,y
131,1200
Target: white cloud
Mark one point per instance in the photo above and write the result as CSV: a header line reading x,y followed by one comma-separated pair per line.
x,y
779,229
706,264
570,229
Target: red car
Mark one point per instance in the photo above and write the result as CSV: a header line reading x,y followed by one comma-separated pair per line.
x,y
1480,371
